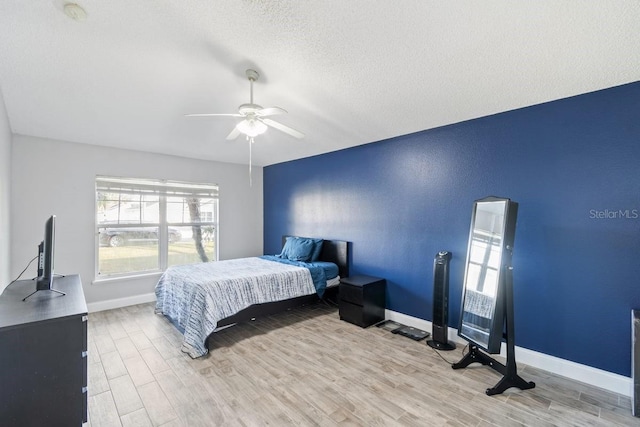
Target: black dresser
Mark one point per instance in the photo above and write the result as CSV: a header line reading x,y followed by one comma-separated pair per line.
x,y
362,300
43,355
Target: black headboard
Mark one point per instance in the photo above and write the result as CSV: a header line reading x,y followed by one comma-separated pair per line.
x,y
335,251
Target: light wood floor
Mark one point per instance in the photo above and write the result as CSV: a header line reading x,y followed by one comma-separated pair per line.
x,y
306,367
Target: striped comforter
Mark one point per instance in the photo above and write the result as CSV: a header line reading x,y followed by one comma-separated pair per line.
x,y
197,296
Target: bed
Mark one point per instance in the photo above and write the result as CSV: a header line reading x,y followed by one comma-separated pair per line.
x,y
200,299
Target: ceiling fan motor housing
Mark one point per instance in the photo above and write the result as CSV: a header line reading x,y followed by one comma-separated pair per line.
x,y
249,109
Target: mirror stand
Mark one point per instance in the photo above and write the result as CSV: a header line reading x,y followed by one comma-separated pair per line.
x,y
510,370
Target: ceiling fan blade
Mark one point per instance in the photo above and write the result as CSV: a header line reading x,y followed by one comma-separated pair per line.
x,y
282,128
271,111
213,114
234,134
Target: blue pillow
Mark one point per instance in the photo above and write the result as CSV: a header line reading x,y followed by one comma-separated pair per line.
x,y
317,249
285,248
297,249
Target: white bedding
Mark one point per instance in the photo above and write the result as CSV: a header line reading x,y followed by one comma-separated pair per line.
x,y
333,282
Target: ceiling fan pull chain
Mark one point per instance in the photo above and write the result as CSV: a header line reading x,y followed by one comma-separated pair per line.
x,y
250,139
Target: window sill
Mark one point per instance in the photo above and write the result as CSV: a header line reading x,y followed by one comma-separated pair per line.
x,y
106,280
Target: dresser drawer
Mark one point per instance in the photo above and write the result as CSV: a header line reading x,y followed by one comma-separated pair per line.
x,y
363,289
352,313
350,293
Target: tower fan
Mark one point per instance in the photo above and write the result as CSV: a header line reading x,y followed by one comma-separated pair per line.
x,y
440,331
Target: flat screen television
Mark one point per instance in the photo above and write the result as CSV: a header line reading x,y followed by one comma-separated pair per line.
x,y
46,250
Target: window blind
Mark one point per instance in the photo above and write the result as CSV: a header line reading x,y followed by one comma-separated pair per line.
x,y
155,187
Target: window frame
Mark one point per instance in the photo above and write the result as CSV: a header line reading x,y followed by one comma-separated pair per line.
x,y
164,190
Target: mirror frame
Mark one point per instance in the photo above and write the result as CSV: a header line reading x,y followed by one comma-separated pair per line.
x,y
498,310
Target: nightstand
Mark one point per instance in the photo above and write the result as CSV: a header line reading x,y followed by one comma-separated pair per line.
x,y
361,300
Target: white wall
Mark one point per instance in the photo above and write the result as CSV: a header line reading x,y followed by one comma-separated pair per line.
x,y
55,177
5,196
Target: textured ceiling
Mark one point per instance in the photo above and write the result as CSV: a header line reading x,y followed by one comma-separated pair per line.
x,y
348,72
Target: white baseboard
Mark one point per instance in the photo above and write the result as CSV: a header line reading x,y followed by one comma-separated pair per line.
x,y
575,371
120,302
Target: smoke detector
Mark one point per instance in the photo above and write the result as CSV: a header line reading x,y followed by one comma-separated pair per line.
x,y
75,12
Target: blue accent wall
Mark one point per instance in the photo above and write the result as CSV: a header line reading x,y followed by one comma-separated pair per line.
x,y
573,166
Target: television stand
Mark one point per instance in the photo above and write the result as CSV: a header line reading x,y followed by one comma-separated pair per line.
x,y
38,290
44,355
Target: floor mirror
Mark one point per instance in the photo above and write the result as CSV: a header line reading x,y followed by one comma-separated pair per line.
x,y
486,315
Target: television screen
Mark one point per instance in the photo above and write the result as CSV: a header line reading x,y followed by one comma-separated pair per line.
x,y
45,256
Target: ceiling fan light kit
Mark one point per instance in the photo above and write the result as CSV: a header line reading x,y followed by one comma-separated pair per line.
x,y
251,128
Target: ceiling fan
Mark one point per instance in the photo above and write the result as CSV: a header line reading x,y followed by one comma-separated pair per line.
x,y
255,118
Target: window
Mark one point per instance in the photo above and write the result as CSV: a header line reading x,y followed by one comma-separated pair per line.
x,y
147,225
